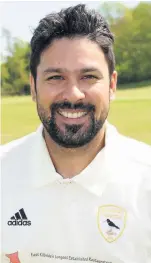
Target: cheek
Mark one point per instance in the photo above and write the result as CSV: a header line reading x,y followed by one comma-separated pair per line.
x,y
100,98
46,95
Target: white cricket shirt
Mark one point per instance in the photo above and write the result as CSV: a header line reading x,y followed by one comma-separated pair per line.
x,y
101,215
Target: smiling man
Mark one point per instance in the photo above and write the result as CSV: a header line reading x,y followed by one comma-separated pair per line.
x,y
75,190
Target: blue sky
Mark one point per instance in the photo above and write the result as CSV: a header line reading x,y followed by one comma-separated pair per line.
x,y
20,17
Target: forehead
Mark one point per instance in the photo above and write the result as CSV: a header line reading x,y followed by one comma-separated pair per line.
x,y
72,54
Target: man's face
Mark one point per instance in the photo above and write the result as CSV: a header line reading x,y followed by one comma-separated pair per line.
x,y
73,91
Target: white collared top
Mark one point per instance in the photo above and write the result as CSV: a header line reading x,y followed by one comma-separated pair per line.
x,y
101,215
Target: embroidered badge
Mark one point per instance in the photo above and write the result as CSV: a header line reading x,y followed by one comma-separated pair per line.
x,y
111,222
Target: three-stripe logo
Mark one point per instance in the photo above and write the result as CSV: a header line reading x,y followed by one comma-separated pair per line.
x,y
19,219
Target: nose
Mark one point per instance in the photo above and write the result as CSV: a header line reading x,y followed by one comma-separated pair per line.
x,y
73,93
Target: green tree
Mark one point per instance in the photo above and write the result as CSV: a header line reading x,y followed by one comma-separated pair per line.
x,y
132,30
15,69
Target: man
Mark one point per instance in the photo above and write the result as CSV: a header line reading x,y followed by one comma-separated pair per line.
x,y
75,190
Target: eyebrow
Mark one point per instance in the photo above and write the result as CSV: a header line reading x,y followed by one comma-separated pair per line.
x,y
89,69
61,70
52,70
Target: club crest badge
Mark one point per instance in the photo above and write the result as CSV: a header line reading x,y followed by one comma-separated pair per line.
x,y
111,222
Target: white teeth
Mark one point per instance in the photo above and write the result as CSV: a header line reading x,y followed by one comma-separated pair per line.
x,y
65,114
72,115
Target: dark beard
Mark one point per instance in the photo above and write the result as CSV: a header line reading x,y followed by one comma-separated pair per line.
x,y
73,136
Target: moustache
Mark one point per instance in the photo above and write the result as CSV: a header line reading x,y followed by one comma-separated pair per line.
x,y
67,105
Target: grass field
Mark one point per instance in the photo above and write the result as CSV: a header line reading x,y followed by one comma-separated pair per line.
x,y
130,113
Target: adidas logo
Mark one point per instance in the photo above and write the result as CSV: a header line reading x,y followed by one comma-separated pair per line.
x,y
19,219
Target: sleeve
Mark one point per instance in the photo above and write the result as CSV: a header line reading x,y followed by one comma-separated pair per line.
x,y
145,208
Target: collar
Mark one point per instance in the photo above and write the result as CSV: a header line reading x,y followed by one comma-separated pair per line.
x,y
102,168
43,170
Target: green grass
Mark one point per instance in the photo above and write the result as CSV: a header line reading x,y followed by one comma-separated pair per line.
x,y
130,113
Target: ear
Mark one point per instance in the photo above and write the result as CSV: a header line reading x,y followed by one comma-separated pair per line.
x,y
113,85
32,88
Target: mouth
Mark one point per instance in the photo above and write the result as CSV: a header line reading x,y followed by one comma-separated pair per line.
x,y
72,115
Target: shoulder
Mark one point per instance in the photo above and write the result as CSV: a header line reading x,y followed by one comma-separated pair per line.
x,y
134,150
128,148
17,147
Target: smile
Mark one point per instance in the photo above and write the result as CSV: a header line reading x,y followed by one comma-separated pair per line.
x,y
72,115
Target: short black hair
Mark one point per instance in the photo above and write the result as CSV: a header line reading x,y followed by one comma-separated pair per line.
x,y
72,22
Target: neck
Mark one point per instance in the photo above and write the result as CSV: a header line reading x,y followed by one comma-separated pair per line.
x,y
69,162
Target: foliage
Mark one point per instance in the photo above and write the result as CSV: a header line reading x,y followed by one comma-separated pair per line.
x,y
132,30
15,70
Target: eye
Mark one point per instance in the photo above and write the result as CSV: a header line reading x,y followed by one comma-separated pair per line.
x,y
90,77
56,77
